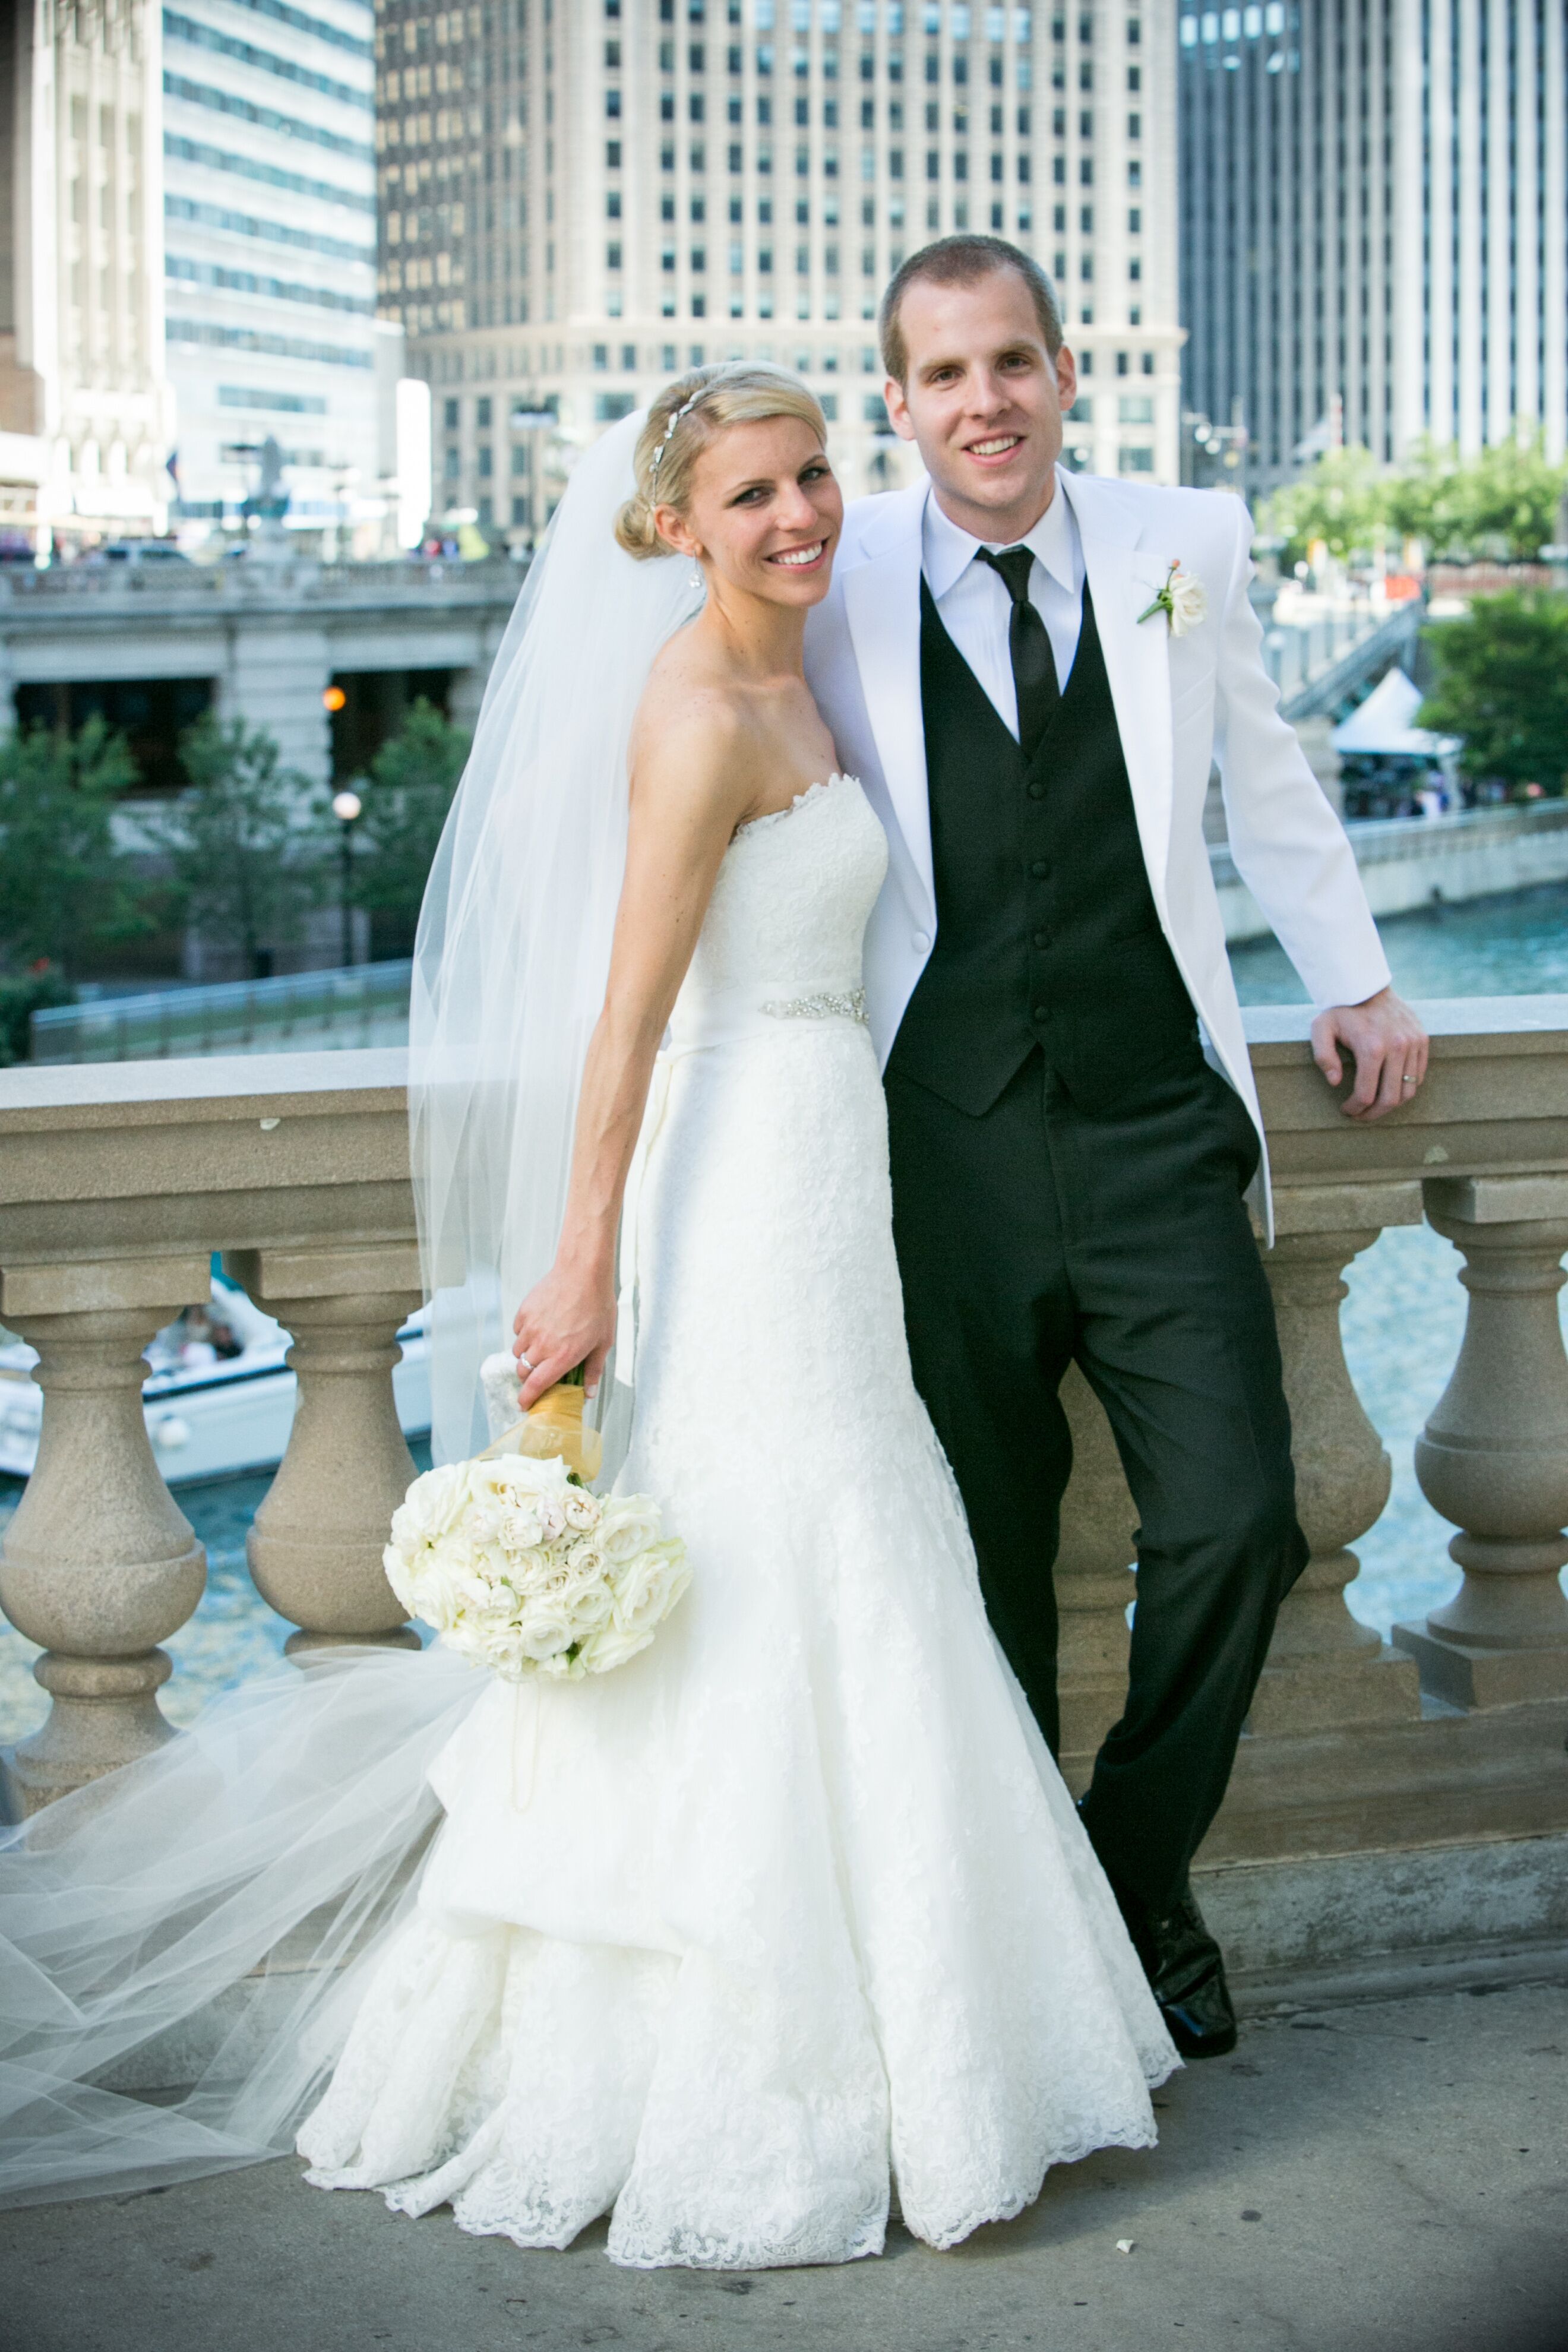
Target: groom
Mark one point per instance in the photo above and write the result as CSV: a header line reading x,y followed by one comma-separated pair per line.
x,y
1072,1119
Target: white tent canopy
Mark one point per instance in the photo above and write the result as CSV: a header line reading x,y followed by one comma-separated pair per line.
x,y
1381,727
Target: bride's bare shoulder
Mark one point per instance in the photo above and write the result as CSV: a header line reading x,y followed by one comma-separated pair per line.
x,y
691,711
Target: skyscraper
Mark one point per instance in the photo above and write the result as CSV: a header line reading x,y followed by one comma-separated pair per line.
x,y
579,197
269,256
1374,223
82,407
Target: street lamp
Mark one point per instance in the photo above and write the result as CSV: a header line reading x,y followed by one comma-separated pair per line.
x,y
346,806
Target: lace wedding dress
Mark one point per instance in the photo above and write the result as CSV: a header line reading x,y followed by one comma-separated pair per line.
x,y
796,1901
791,1910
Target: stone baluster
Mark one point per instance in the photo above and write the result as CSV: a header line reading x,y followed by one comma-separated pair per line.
x,y
99,1563
1493,1457
316,1544
1094,1583
1325,1669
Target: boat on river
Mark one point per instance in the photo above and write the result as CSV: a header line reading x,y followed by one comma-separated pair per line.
x,y
218,1397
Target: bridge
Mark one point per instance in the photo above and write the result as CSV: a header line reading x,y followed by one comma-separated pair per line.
x,y
263,640
257,640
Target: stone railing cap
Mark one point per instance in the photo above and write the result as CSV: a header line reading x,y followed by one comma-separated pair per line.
x,y
1518,1023
238,1085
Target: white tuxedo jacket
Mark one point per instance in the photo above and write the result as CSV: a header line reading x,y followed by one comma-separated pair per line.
x,y
1182,705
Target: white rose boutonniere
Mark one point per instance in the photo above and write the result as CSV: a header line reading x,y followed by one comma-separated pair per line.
x,y
1182,600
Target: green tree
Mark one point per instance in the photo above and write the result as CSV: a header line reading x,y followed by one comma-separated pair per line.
x,y
1341,500
1504,503
1502,684
66,888
1419,500
405,799
244,861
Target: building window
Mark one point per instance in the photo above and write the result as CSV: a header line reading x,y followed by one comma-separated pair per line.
x,y
612,256
1137,460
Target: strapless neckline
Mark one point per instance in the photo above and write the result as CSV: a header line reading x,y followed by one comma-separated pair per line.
x,y
801,800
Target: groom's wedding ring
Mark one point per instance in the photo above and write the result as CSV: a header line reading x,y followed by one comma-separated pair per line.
x,y
524,1363
1408,1081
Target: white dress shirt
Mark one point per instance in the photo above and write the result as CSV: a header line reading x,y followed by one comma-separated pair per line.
x,y
975,608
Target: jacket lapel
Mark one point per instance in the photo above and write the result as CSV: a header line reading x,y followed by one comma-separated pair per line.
x,y
883,607
1122,578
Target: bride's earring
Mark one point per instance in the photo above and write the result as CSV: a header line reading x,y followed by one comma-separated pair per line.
x,y
696,576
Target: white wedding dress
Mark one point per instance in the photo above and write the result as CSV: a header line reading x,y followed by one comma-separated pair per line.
x,y
791,1911
796,1901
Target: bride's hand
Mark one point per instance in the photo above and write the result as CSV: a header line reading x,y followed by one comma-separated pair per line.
x,y
566,1320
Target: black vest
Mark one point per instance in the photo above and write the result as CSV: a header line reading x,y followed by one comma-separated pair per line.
x,y
1047,933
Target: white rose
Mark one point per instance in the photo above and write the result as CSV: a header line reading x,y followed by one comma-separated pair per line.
x,y
590,1605
1189,603
544,1629
436,1597
582,1508
521,1526
611,1646
647,1588
630,1525
433,1505
513,1475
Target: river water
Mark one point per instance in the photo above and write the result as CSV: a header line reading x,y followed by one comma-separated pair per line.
x,y
1402,1322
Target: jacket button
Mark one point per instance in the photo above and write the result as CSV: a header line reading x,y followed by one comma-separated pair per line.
x,y
1041,1014
1042,938
1037,792
920,941
1039,869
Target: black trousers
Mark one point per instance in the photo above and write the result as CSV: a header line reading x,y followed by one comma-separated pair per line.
x,y
1042,1233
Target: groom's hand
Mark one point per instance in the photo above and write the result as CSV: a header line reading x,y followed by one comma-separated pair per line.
x,y
1389,1047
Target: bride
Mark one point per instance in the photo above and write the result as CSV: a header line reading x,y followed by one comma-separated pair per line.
x,y
793,1910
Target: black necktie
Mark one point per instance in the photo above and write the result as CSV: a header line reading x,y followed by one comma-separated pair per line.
x,y
1029,644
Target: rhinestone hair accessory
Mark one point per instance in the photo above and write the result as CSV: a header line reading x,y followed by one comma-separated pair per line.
x,y
683,410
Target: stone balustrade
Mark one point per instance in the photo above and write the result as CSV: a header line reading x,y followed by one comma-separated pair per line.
x,y
117,1181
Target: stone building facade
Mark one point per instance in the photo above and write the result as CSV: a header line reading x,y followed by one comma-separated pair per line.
x,y
579,197
83,404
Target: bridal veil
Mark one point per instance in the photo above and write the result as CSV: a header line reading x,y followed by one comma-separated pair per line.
x,y
514,940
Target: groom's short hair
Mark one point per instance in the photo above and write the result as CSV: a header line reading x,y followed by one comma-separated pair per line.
x,y
962,261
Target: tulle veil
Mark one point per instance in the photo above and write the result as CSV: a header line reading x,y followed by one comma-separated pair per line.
x,y
205,1916
514,937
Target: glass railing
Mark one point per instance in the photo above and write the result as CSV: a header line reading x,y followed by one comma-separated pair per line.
x,y
366,1004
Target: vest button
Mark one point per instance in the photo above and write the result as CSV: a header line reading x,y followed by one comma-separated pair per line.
x,y
1042,938
1037,792
1039,869
1041,1014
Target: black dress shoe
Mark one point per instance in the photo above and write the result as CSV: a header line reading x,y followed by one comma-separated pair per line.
x,y
1186,1975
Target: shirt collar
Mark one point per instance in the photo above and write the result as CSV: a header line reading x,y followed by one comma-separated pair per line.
x,y
947,552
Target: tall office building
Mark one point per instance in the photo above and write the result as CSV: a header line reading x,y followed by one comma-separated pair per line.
x,y
82,407
268,233
1374,223
579,197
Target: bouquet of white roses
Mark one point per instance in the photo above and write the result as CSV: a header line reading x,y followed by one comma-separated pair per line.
x,y
521,1567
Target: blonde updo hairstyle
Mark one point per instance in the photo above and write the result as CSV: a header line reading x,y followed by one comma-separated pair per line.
x,y
686,416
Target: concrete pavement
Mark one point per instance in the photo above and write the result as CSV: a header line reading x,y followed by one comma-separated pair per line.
x,y
1388,2177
